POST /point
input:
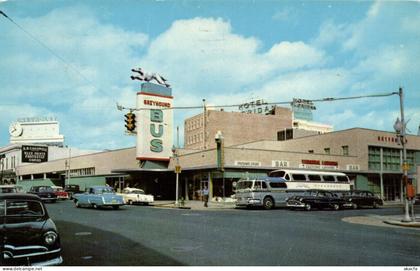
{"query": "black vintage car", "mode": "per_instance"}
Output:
(46, 193)
(72, 189)
(28, 235)
(358, 198)
(315, 199)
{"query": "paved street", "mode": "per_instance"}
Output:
(138, 236)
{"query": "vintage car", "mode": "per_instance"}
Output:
(315, 199)
(30, 237)
(98, 196)
(135, 195)
(59, 191)
(357, 198)
(72, 189)
(46, 193)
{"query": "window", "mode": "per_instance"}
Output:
(278, 185)
(327, 150)
(264, 185)
(23, 208)
(328, 178)
(345, 150)
(314, 177)
(299, 177)
(342, 179)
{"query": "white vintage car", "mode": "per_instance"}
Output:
(135, 195)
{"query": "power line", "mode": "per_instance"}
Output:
(328, 99)
(66, 63)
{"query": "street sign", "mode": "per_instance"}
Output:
(177, 169)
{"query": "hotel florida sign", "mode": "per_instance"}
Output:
(154, 122)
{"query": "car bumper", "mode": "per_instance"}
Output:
(242, 202)
(34, 258)
(295, 204)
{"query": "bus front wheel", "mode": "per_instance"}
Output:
(268, 203)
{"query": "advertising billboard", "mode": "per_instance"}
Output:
(154, 123)
(34, 154)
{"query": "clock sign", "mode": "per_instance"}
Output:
(15, 129)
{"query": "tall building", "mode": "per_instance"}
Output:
(241, 127)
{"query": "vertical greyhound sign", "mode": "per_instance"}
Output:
(154, 118)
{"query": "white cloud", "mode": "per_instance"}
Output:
(205, 54)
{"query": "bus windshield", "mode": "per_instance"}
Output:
(244, 185)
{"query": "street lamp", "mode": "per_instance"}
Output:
(177, 171)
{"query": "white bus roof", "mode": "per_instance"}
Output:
(311, 172)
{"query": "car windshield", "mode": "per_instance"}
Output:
(21, 208)
(243, 185)
(137, 191)
(310, 193)
(106, 190)
(45, 189)
(8, 190)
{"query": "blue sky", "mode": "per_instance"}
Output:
(223, 51)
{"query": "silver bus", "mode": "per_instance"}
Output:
(274, 190)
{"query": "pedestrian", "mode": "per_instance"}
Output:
(205, 196)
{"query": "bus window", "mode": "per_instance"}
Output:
(264, 185)
(328, 178)
(287, 177)
(342, 179)
(279, 173)
(278, 185)
(257, 185)
(243, 185)
(314, 177)
(298, 177)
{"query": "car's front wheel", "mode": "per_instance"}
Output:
(130, 202)
(308, 207)
(76, 203)
(375, 205)
(336, 207)
(355, 206)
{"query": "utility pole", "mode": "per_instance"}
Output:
(399, 126)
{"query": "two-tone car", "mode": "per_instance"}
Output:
(29, 236)
(60, 193)
(46, 193)
(358, 198)
(319, 199)
(97, 197)
(135, 196)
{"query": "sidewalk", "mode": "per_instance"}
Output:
(194, 205)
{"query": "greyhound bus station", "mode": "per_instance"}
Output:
(220, 148)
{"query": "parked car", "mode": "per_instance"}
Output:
(98, 196)
(315, 199)
(135, 195)
(8, 188)
(46, 193)
(357, 198)
(72, 189)
(30, 236)
(60, 193)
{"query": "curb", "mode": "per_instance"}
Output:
(403, 224)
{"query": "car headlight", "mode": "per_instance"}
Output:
(301, 199)
(50, 237)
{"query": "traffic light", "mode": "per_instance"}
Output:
(130, 121)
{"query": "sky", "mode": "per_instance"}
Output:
(72, 60)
